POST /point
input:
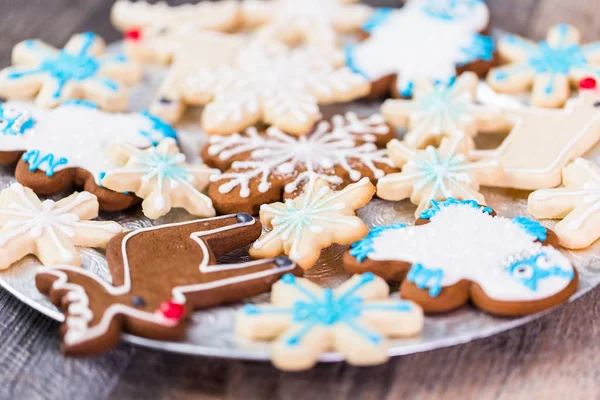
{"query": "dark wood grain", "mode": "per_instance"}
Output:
(555, 357)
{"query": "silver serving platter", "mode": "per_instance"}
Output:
(211, 331)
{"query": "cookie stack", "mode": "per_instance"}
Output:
(280, 178)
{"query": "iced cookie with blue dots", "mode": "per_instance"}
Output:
(549, 68)
(78, 71)
(460, 251)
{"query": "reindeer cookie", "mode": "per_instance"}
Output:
(52, 76)
(159, 275)
(460, 251)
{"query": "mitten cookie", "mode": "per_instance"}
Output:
(306, 320)
(159, 275)
(47, 229)
(79, 70)
(549, 68)
(320, 217)
(426, 39)
(459, 251)
(261, 168)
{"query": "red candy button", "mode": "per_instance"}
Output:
(133, 34)
(588, 83)
(172, 310)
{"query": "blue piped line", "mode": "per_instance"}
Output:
(33, 158)
(378, 18)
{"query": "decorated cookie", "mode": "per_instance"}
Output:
(272, 84)
(79, 70)
(159, 274)
(440, 111)
(67, 146)
(16, 127)
(543, 141)
(313, 22)
(306, 320)
(320, 217)
(549, 67)
(427, 39)
(460, 251)
(161, 177)
(577, 204)
(261, 168)
(47, 229)
(435, 174)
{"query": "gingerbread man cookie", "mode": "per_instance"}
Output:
(459, 251)
(549, 68)
(427, 39)
(307, 320)
(272, 84)
(312, 22)
(435, 174)
(320, 217)
(577, 204)
(47, 229)
(260, 168)
(79, 70)
(161, 177)
(159, 275)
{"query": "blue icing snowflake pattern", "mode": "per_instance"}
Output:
(328, 309)
(14, 122)
(425, 278)
(36, 160)
(532, 269)
(361, 249)
(450, 10)
(532, 227)
(159, 129)
(436, 206)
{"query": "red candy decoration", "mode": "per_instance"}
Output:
(133, 35)
(172, 310)
(588, 83)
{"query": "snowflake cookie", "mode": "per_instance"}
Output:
(77, 71)
(272, 84)
(577, 204)
(460, 251)
(435, 174)
(260, 168)
(320, 217)
(440, 111)
(161, 177)
(313, 22)
(550, 67)
(306, 320)
(49, 230)
(427, 39)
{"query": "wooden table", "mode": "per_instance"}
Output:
(557, 356)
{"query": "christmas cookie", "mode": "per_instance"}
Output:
(159, 275)
(161, 177)
(435, 174)
(306, 320)
(427, 39)
(543, 141)
(79, 70)
(312, 22)
(549, 68)
(274, 85)
(440, 111)
(577, 204)
(47, 229)
(320, 217)
(67, 146)
(459, 251)
(261, 168)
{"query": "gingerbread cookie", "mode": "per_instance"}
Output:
(435, 174)
(427, 39)
(307, 320)
(459, 251)
(261, 168)
(79, 70)
(549, 68)
(47, 229)
(577, 204)
(274, 85)
(159, 275)
(440, 111)
(161, 177)
(543, 141)
(312, 22)
(320, 217)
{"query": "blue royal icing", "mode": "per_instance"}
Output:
(361, 249)
(14, 122)
(425, 278)
(528, 271)
(450, 10)
(437, 206)
(159, 129)
(35, 160)
(532, 227)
